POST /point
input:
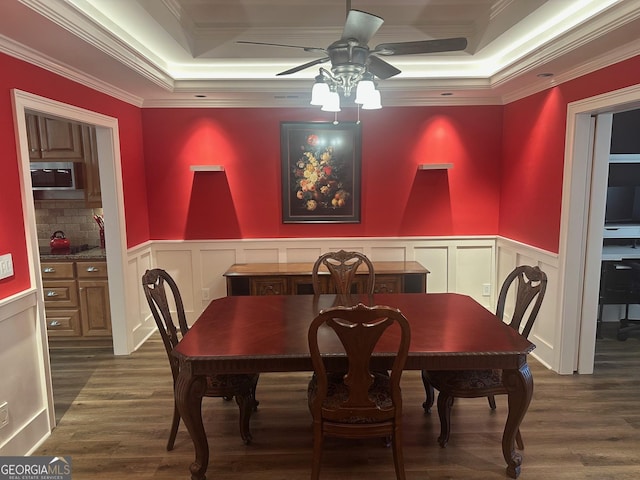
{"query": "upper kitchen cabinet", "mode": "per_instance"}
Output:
(92, 192)
(55, 139)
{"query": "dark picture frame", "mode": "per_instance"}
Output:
(320, 172)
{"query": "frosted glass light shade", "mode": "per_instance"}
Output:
(332, 102)
(364, 92)
(319, 93)
(373, 102)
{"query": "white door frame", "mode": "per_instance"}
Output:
(581, 225)
(108, 148)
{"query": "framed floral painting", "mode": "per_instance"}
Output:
(320, 172)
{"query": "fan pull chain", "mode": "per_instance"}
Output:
(335, 118)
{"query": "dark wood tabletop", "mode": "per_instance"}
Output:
(245, 334)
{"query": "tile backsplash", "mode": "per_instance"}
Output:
(73, 219)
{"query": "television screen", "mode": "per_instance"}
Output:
(623, 194)
(620, 201)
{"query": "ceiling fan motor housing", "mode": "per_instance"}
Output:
(348, 62)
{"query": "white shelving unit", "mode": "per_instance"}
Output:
(207, 168)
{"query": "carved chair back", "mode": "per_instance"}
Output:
(359, 328)
(154, 284)
(531, 284)
(343, 266)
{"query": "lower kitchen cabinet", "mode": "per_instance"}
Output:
(76, 298)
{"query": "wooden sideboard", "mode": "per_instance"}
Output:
(295, 278)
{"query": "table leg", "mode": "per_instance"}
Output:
(519, 384)
(189, 391)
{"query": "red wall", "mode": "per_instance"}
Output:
(506, 179)
(23, 76)
(396, 200)
(533, 155)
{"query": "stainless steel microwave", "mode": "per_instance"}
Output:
(53, 176)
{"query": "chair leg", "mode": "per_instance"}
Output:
(174, 428)
(245, 403)
(318, 440)
(398, 458)
(519, 441)
(445, 402)
(428, 389)
(492, 402)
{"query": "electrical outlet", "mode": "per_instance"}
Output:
(4, 414)
(486, 289)
(206, 295)
(6, 266)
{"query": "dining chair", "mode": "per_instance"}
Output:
(242, 387)
(360, 403)
(530, 284)
(343, 266)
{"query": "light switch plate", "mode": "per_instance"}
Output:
(6, 266)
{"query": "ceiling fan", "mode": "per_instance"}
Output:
(351, 58)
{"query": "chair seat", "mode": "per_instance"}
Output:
(466, 380)
(338, 393)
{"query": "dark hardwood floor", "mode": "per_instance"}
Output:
(116, 411)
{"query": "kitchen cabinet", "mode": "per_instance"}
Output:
(92, 192)
(53, 139)
(76, 298)
(93, 288)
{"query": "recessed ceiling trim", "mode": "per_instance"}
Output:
(67, 17)
(29, 55)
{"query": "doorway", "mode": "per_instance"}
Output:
(108, 150)
(585, 175)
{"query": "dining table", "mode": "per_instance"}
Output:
(257, 334)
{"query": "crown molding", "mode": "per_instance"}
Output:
(33, 57)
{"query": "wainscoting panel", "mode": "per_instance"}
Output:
(435, 259)
(139, 322)
(457, 264)
(212, 265)
(302, 254)
(474, 268)
(546, 331)
(24, 381)
(390, 253)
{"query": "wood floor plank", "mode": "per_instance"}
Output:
(116, 412)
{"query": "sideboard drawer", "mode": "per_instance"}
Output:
(269, 286)
(388, 284)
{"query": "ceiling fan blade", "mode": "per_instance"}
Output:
(381, 68)
(424, 46)
(361, 26)
(303, 66)
(306, 49)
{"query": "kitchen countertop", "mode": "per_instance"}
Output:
(95, 253)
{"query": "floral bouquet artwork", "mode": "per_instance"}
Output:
(321, 169)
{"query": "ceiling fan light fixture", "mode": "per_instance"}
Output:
(364, 91)
(332, 103)
(373, 102)
(319, 92)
